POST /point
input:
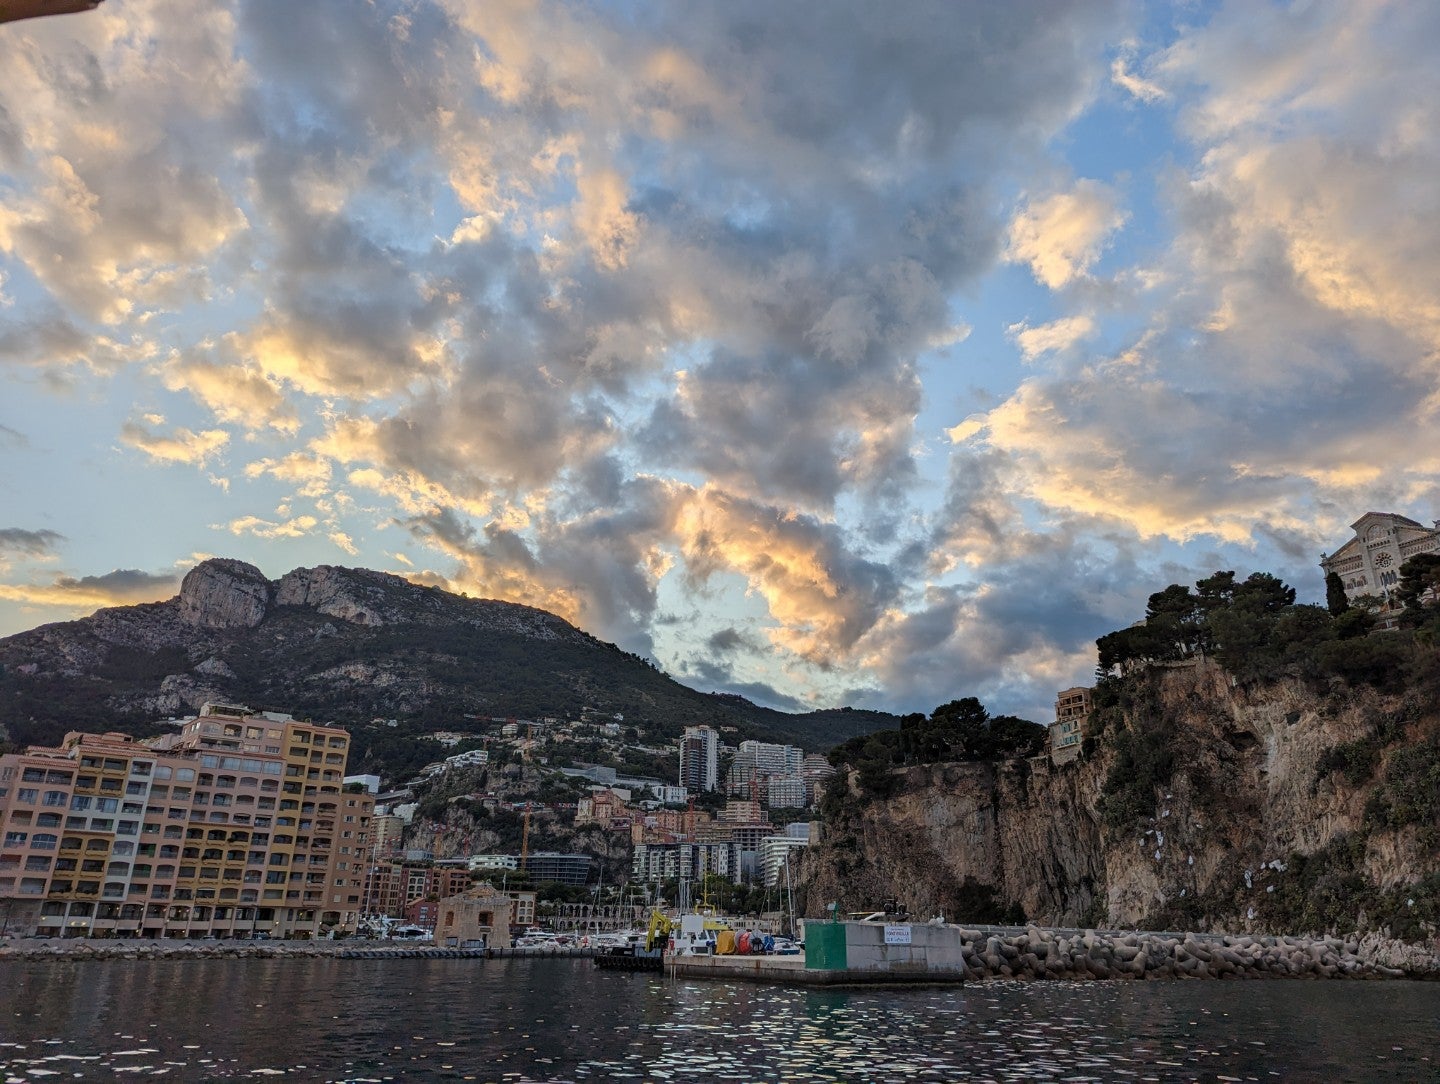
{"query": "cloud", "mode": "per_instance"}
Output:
(123, 587)
(182, 446)
(236, 393)
(629, 311)
(16, 541)
(297, 527)
(1135, 85)
(1049, 338)
(1062, 235)
(124, 202)
(729, 640)
(310, 474)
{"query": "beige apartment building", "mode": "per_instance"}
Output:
(237, 825)
(1071, 708)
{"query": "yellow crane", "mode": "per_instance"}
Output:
(525, 835)
(659, 929)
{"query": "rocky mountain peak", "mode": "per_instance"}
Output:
(339, 592)
(222, 593)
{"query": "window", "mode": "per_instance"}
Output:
(44, 841)
(56, 798)
(28, 795)
(15, 839)
(80, 801)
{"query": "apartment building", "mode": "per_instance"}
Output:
(699, 759)
(235, 826)
(391, 887)
(658, 862)
(1072, 706)
(756, 762)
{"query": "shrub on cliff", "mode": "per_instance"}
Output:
(1145, 758)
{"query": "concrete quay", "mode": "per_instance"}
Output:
(1037, 953)
(81, 949)
(791, 971)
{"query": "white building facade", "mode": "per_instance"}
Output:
(700, 759)
(1369, 563)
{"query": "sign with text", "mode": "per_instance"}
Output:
(897, 935)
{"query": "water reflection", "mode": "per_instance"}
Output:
(557, 1020)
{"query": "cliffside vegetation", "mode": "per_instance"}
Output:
(960, 730)
(1250, 763)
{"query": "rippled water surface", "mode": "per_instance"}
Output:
(552, 1020)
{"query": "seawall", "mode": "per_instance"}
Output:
(1036, 953)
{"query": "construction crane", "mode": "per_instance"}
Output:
(525, 835)
(659, 929)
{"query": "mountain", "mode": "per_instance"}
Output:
(349, 645)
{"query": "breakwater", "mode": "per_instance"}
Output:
(1037, 953)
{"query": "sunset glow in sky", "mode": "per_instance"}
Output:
(830, 353)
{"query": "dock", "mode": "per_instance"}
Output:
(791, 971)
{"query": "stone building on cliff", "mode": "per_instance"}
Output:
(1369, 563)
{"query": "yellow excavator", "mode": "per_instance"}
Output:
(658, 932)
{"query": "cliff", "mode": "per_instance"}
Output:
(1200, 804)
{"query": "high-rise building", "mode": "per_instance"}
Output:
(785, 792)
(816, 770)
(757, 762)
(654, 862)
(775, 854)
(237, 825)
(700, 758)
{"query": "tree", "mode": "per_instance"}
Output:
(1125, 649)
(1264, 593)
(1177, 621)
(1336, 601)
(1419, 586)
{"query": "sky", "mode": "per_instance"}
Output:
(842, 353)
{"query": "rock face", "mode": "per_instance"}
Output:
(225, 594)
(1255, 830)
(336, 592)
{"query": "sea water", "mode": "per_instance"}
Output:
(564, 1020)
